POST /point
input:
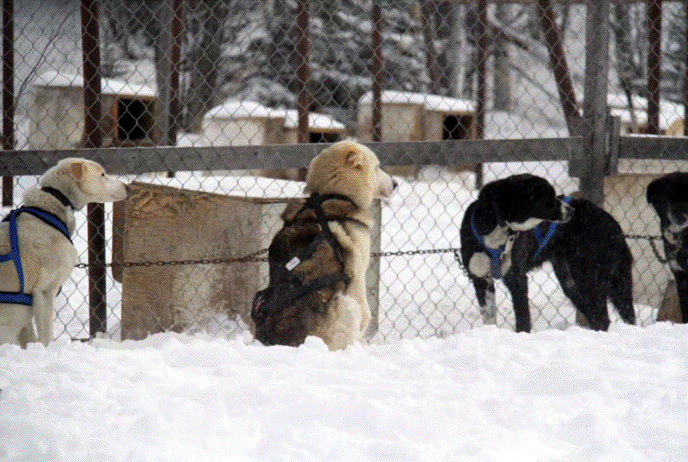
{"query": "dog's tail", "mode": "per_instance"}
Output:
(621, 291)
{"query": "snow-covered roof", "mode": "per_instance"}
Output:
(428, 101)
(235, 109)
(108, 86)
(668, 111)
(315, 121)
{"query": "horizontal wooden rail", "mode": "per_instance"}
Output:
(176, 159)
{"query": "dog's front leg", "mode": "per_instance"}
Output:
(26, 335)
(43, 315)
(682, 289)
(485, 293)
(517, 284)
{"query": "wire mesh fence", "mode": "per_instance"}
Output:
(233, 73)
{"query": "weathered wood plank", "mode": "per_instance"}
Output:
(653, 147)
(168, 224)
(175, 159)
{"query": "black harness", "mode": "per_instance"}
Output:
(285, 286)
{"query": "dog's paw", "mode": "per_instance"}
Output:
(480, 265)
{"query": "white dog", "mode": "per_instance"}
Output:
(318, 260)
(36, 243)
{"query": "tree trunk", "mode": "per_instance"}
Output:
(624, 57)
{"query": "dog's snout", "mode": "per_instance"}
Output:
(394, 183)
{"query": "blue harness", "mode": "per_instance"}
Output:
(22, 297)
(496, 254)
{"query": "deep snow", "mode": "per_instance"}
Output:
(486, 394)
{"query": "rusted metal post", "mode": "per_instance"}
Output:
(93, 138)
(654, 63)
(685, 81)
(303, 72)
(376, 123)
(481, 92)
(169, 56)
(560, 68)
(175, 58)
(7, 93)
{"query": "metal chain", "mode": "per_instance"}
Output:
(253, 257)
(401, 253)
(653, 245)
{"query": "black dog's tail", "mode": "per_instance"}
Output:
(621, 290)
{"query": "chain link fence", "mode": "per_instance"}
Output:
(212, 76)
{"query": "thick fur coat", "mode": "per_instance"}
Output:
(588, 251)
(350, 175)
(668, 196)
(47, 256)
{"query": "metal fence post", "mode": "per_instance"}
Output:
(7, 93)
(93, 138)
(377, 66)
(654, 64)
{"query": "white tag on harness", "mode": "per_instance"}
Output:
(293, 263)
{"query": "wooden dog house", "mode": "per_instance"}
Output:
(56, 113)
(242, 123)
(418, 117)
(321, 128)
(247, 123)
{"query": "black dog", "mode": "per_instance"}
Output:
(668, 195)
(518, 223)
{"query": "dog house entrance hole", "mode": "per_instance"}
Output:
(319, 137)
(456, 127)
(134, 120)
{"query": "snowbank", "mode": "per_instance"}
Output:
(483, 395)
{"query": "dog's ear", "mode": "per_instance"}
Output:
(77, 170)
(355, 159)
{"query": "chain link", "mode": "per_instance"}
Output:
(253, 256)
(653, 245)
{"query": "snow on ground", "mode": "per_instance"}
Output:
(486, 394)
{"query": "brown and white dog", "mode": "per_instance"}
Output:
(318, 260)
(46, 256)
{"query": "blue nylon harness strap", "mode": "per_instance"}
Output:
(22, 297)
(496, 254)
(544, 240)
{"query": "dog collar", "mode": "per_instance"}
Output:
(544, 240)
(59, 196)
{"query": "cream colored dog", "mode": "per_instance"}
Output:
(343, 180)
(44, 226)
